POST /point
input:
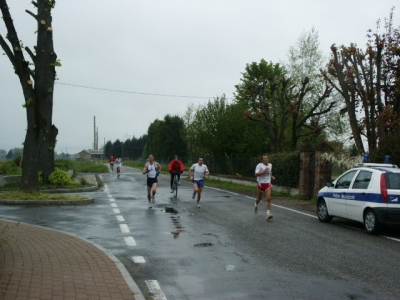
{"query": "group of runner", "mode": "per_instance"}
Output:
(197, 171)
(116, 161)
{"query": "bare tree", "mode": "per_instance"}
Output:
(369, 82)
(37, 85)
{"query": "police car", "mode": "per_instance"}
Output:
(368, 193)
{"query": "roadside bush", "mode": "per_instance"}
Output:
(66, 165)
(286, 168)
(9, 168)
(18, 161)
(59, 177)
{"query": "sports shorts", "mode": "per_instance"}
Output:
(262, 187)
(200, 183)
(151, 181)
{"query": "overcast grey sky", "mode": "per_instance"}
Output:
(171, 47)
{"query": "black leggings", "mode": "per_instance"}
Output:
(172, 177)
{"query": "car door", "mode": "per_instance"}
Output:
(338, 200)
(358, 195)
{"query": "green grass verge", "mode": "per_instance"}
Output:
(38, 196)
(90, 167)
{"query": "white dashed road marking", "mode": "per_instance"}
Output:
(130, 241)
(120, 218)
(124, 228)
(114, 205)
(155, 289)
(138, 259)
(116, 211)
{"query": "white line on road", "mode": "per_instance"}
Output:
(390, 238)
(116, 211)
(138, 259)
(112, 200)
(109, 196)
(120, 218)
(155, 289)
(114, 205)
(130, 241)
(293, 210)
(236, 194)
(125, 229)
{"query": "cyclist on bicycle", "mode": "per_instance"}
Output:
(175, 167)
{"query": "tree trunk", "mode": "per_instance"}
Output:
(37, 86)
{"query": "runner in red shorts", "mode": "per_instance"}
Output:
(264, 185)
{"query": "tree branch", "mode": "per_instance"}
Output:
(33, 56)
(7, 50)
(32, 14)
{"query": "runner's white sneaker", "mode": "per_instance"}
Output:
(269, 216)
(150, 206)
(171, 191)
(198, 205)
(255, 209)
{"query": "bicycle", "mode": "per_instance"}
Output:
(175, 184)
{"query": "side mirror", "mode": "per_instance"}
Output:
(329, 184)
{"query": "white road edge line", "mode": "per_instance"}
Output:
(236, 194)
(290, 209)
(155, 289)
(390, 238)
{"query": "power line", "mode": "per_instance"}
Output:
(130, 92)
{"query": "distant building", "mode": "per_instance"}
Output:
(83, 155)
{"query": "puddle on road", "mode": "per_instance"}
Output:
(203, 245)
(179, 229)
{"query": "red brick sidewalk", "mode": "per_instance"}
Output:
(40, 263)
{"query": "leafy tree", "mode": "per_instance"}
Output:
(165, 138)
(306, 59)
(172, 130)
(108, 149)
(220, 129)
(117, 148)
(133, 148)
(154, 140)
(37, 86)
(275, 100)
(3, 154)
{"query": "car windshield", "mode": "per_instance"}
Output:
(393, 181)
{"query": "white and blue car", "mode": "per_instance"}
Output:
(369, 193)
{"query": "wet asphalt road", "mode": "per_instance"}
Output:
(223, 250)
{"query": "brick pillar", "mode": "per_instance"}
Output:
(323, 172)
(304, 182)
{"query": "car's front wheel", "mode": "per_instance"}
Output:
(322, 211)
(371, 222)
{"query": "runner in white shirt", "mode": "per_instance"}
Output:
(119, 164)
(152, 169)
(264, 176)
(197, 172)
